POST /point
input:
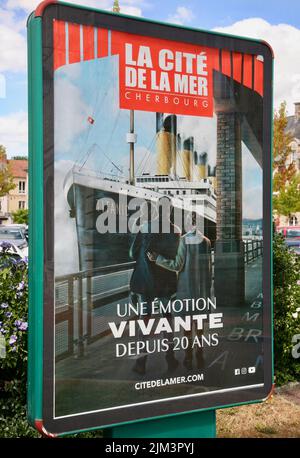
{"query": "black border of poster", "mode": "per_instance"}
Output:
(163, 31)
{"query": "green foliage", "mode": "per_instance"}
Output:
(13, 330)
(13, 420)
(13, 416)
(13, 335)
(284, 171)
(6, 178)
(20, 216)
(288, 199)
(286, 318)
(13, 314)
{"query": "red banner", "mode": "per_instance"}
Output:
(164, 76)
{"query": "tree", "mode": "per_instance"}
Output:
(284, 171)
(287, 201)
(286, 317)
(6, 177)
(20, 216)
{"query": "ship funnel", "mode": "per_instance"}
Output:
(188, 147)
(178, 142)
(212, 175)
(166, 142)
(201, 163)
(170, 126)
(159, 122)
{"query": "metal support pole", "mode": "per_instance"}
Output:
(190, 425)
(89, 296)
(131, 167)
(80, 318)
(71, 313)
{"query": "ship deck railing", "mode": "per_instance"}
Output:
(84, 299)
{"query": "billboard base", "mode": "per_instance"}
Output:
(191, 425)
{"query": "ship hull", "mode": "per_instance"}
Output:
(105, 249)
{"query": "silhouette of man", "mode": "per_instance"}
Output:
(150, 281)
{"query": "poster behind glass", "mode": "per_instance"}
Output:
(158, 214)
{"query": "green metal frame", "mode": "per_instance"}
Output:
(36, 223)
(201, 423)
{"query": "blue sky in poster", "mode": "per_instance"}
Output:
(91, 89)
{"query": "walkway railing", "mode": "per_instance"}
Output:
(78, 295)
(252, 249)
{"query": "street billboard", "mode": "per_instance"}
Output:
(150, 169)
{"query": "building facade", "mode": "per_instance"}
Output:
(17, 198)
(293, 127)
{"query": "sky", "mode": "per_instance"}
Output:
(272, 20)
(91, 88)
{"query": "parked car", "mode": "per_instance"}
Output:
(14, 234)
(293, 244)
(289, 232)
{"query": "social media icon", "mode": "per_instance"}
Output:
(244, 371)
(237, 371)
(251, 370)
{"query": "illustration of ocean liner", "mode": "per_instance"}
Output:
(193, 189)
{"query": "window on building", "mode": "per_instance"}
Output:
(293, 221)
(21, 204)
(22, 186)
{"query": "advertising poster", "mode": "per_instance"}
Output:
(158, 232)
